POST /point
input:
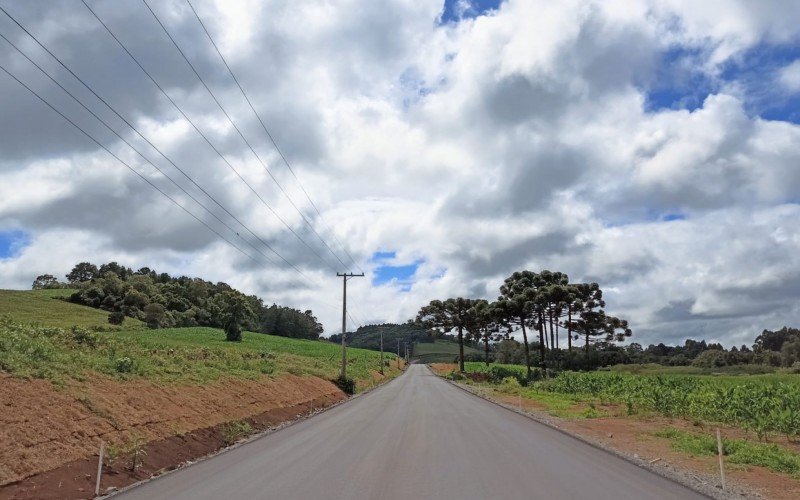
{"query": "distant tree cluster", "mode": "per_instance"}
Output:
(771, 348)
(369, 336)
(164, 301)
(48, 282)
(545, 303)
(780, 348)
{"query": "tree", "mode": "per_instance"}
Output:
(155, 315)
(82, 273)
(773, 341)
(446, 316)
(45, 281)
(592, 319)
(517, 303)
(236, 312)
(116, 318)
(485, 322)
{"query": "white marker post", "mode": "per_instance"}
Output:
(721, 463)
(99, 468)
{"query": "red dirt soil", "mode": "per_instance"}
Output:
(59, 430)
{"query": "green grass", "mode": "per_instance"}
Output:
(43, 307)
(737, 451)
(179, 355)
(439, 351)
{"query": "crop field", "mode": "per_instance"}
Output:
(764, 403)
(42, 307)
(184, 355)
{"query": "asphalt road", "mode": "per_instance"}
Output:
(418, 437)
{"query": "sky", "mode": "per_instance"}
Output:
(650, 146)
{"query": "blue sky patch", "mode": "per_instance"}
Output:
(12, 242)
(388, 273)
(680, 82)
(456, 10)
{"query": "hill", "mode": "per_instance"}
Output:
(441, 351)
(369, 336)
(46, 308)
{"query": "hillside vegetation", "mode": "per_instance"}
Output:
(441, 351)
(43, 307)
(179, 355)
(164, 301)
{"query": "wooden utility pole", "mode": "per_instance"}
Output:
(345, 277)
(381, 352)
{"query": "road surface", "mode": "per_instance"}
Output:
(418, 437)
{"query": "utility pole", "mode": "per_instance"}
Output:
(381, 352)
(345, 277)
(398, 354)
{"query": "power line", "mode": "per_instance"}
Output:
(207, 140)
(43, 100)
(90, 89)
(269, 135)
(247, 143)
(267, 245)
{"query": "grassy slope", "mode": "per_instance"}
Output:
(36, 341)
(264, 353)
(43, 307)
(440, 351)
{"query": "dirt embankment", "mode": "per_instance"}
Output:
(49, 438)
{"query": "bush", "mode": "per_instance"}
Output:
(346, 384)
(233, 332)
(116, 318)
(234, 431)
(155, 315)
(498, 373)
(124, 365)
(84, 337)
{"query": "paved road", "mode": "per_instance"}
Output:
(418, 437)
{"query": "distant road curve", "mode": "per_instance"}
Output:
(416, 438)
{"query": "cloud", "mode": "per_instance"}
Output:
(789, 76)
(521, 134)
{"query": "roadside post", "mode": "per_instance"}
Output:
(99, 468)
(721, 462)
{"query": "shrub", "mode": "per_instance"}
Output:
(346, 384)
(234, 431)
(233, 332)
(84, 337)
(116, 318)
(498, 373)
(155, 315)
(124, 365)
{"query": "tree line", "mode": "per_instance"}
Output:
(163, 301)
(369, 336)
(544, 303)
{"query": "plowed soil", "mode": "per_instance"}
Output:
(50, 437)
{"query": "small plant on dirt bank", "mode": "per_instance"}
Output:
(234, 431)
(136, 452)
(346, 384)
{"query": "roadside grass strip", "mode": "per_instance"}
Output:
(737, 451)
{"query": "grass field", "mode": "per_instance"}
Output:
(43, 307)
(439, 351)
(37, 340)
(193, 355)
